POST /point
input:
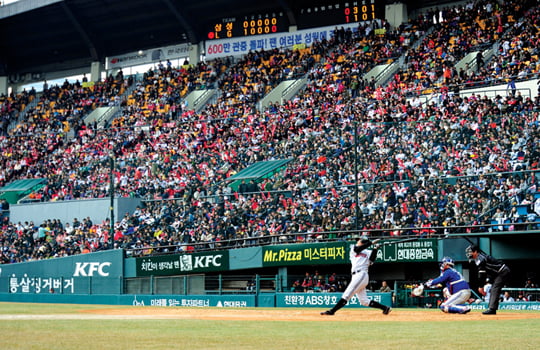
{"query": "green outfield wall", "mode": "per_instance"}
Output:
(315, 300)
(325, 300)
(179, 264)
(111, 277)
(96, 273)
(141, 300)
(528, 306)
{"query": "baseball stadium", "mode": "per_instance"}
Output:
(281, 175)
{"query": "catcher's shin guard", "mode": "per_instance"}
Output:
(455, 309)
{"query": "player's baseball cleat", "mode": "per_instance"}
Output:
(489, 312)
(327, 313)
(467, 310)
(387, 310)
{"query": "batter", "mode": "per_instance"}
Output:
(361, 258)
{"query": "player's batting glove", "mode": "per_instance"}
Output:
(374, 243)
(428, 284)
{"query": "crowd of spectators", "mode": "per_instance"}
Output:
(515, 58)
(318, 283)
(162, 90)
(424, 169)
(62, 108)
(458, 31)
(11, 106)
(258, 72)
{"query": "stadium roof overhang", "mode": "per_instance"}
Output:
(54, 35)
(260, 170)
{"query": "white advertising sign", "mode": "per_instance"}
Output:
(241, 46)
(148, 56)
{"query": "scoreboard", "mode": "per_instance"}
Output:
(247, 25)
(340, 12)
(322, 13)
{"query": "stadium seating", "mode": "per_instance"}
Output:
(423, 169)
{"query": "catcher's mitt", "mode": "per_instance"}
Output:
(418, 291)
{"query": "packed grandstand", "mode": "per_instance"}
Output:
(413, 154)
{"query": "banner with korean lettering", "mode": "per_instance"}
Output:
(241, 46)
(177, 264)
(422, 250)
(99, 272)
(306, 254)
(326, 300)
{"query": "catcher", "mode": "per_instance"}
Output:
(361, 258)
(456, 291)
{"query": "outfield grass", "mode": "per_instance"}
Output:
(203, 334)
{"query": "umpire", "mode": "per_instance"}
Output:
(495, 269)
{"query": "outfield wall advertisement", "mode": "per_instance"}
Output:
(178, 264)
(141, 300)
(326, 300)
(305, 254)
(98, 273)
(516, 306)
(421, 250)
(424, 250)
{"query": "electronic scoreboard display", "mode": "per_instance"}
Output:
(273, 21)
(320, 13)
(329, 13)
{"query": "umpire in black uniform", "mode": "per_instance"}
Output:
(495, 269)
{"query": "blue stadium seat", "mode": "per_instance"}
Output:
(522, 209)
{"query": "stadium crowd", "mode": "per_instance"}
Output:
(452, 164)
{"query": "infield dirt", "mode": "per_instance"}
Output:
(280, 314)
(404, 315)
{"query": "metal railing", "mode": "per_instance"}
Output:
(438, 232)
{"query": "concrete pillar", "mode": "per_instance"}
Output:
(3, 85)
(95, 71)
(396, 14)
(194, 53)
(283, 277)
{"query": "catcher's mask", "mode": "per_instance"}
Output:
(446, 262)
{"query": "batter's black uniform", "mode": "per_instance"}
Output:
(497, 271)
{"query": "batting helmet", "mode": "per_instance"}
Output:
(363, 239)
(447, 262)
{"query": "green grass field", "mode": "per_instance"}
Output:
(17, 331)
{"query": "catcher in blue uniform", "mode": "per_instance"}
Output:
(456, 291)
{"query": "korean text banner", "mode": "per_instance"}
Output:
(306, 254)
(177, 264)
(422, 250)
(242, 46)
